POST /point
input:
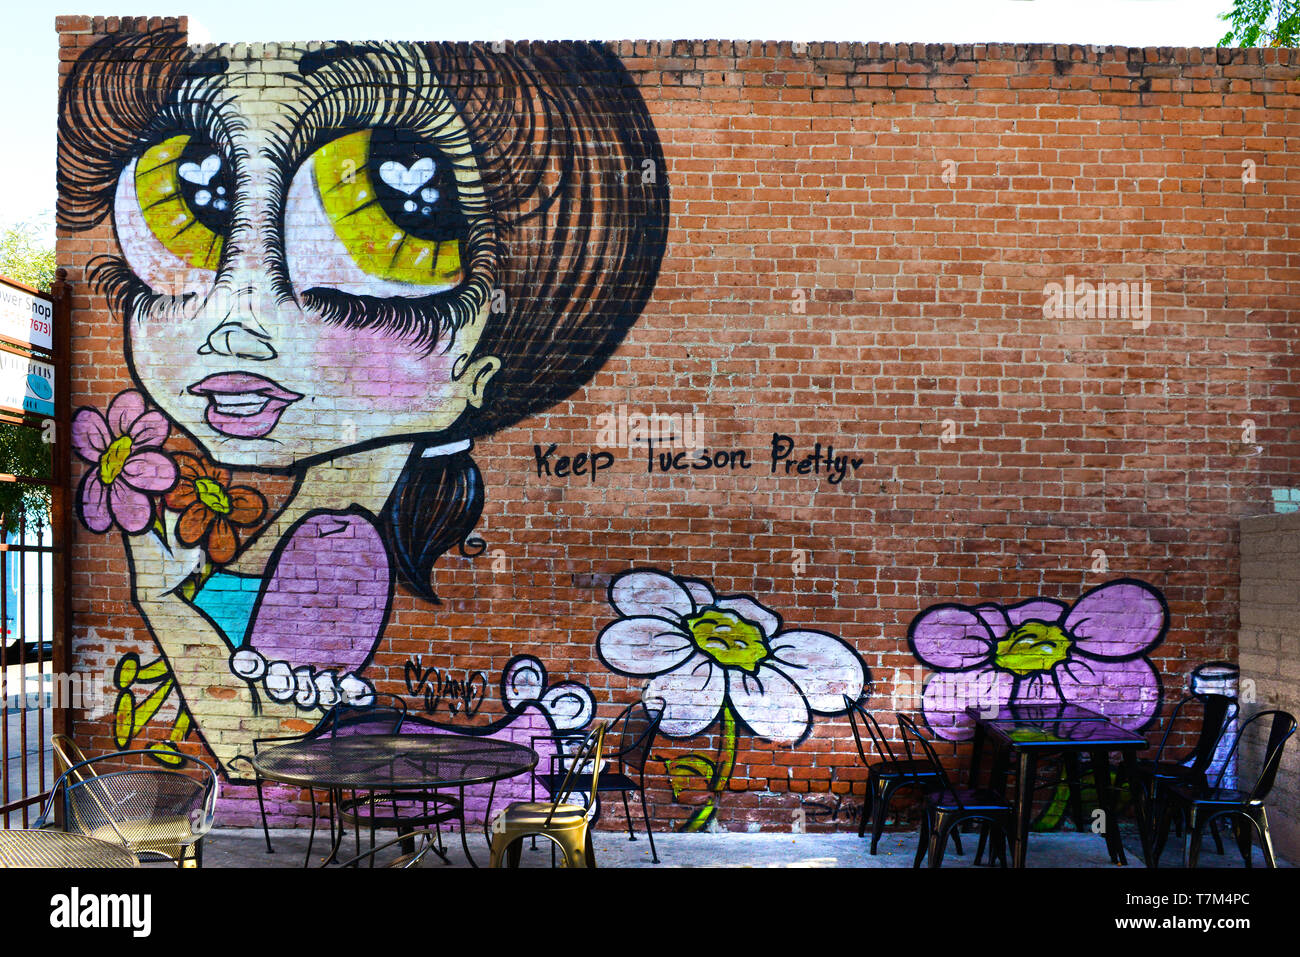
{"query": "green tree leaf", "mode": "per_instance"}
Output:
(1262, 23)
(25, 256)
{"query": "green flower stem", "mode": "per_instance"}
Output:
(722, 768)
(189, 588)
(700, 817)
(726, 752)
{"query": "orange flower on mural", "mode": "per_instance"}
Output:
(211, 508)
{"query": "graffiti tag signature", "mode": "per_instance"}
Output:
(458, 695)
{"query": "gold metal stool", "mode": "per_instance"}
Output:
(562, 822)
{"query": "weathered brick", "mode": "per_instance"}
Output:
(861, 240)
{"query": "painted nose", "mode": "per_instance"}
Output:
(239, 339)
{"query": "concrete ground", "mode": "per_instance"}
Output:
(233, 847)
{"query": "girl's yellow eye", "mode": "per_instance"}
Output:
(184, 187)
(391, 201)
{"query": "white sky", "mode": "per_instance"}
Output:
(29, 65)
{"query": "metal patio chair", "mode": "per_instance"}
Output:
(634, 731)
(886, 776)
(946, 807)
(565, 824)
(1203, 805)
(1156, 775)
(158, 813)
(66, 752)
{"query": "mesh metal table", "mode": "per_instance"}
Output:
(23, 847)
(390, 764)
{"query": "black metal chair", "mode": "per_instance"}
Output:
(886, 776)
(634, 732)
(158, 813)
(1218, 711)
(1203, 805)
(1155, 775)
(384, 714)
(946, 808)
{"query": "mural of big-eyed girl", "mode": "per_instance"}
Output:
(346, 276)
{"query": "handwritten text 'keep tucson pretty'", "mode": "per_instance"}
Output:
(783, 457)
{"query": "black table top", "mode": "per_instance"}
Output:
(1016, 713)
(1055, 727)
(383, 762)
(36, 847)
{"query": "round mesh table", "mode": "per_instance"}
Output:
(22, 847)
(390, 764)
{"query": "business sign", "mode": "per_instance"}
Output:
(26, 385)
(26, 318)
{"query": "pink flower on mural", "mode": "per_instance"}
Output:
(1043, 651)
(127, 467)
(711, 656)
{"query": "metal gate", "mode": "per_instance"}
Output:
(36, 684)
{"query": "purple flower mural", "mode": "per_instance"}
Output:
(123, 448)
(1092, 653)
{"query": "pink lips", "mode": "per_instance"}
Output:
(243, 405)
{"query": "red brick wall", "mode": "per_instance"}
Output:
(859, 249)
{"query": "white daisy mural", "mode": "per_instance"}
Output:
(723, 660)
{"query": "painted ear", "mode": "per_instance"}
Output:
(479, 373)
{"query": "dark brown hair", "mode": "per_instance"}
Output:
(576, 194)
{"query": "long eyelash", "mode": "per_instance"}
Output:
(425, 320)
(200, 111)
(117, 283)
(354, 93)
(126, 293)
